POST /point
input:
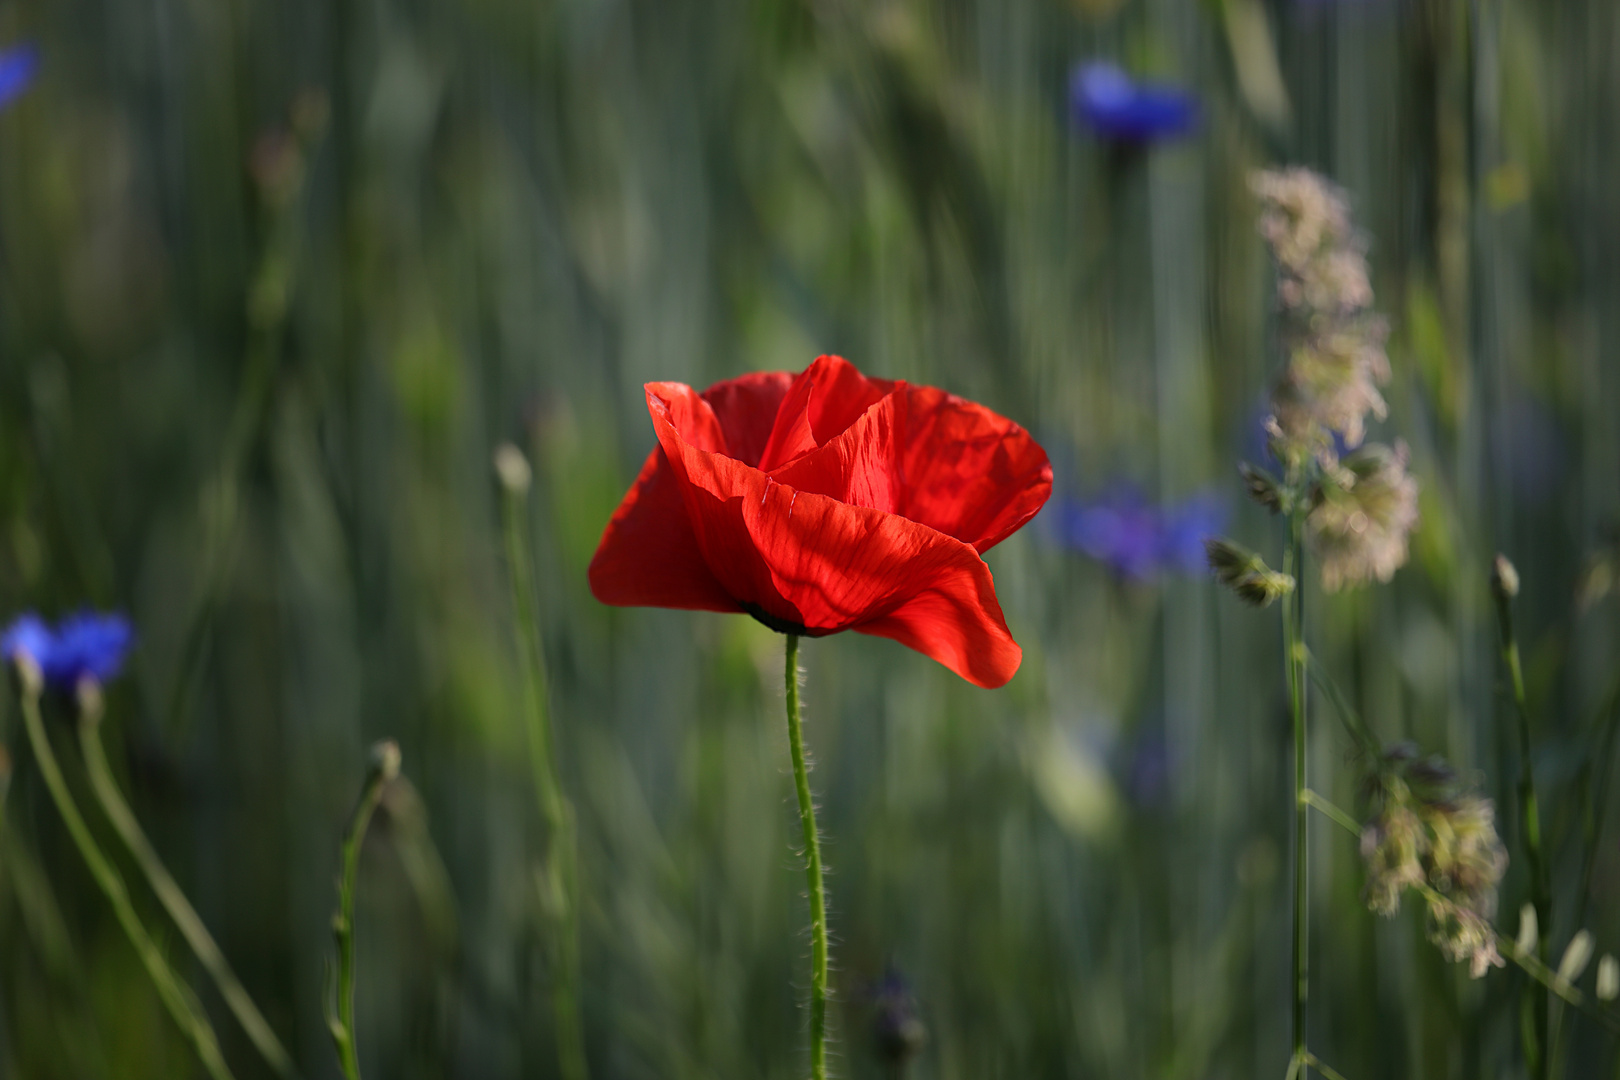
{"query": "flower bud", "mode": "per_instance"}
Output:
(28, 673)
(1608, 979)
(1576, 956)
(1529, 930)
(513, 469)
(897, 1031)
(385, 759)
(1504, 578)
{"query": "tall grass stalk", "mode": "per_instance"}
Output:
(384, 767)
(1294, 657)
(814, 883)
(177, 999)
(559, 878)
(169, 893)
(1504, 585)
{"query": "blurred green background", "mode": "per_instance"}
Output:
(276, 278)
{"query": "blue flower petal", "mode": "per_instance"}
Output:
(18, 66)
(28, 634)
(1106, 99)
(87, 645)
(1137, 540)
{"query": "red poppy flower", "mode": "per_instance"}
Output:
(829, 501)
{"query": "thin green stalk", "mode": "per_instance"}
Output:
(1600, 798)
(1314, 1062)
(176, 998)
(1505, 585)
(1363, 735)
(812, 869)
(559, 878)
(340, 1011)
(1294, 661)
(169, 893)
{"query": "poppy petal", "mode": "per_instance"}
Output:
(862, 466)
(746, 407)
(956, 620)
(807, 559)
(649, 555)
(970, 473)
(825, 399)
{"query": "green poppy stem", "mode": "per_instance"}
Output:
(176, 998)
(340, 1012)
(812, 870)
(169, 893)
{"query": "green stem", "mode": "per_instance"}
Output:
(812, 870)
(559, 877)
(1323, 1067)
(176, 999)
(340, 1015)
(170, 895)
(1294, 661)
(1530, 822)
(1365, 739)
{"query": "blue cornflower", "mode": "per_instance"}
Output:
(1138, 540)
(18, 65)
(1106, 99)
(88, 645)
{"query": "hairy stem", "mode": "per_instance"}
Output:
(558, 879)
(1538, 1058)
(340, 1016)
(812, 870)
(181, 1006)
(171, 897)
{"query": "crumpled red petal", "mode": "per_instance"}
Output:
(969, 472)
(649, 555)
(746, 408)
(825, 399)
(807, 559)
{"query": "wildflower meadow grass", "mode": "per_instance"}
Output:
(908, 539)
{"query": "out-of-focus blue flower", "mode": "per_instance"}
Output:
(88, 645)
(1138, 540)
(18, 65)
(1148, 765)
(897, 1029)
(1106, 99)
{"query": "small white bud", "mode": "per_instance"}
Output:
(512, 468)
(1576, 956)
(385, 759)
(1529, 931)
(1608, 978)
